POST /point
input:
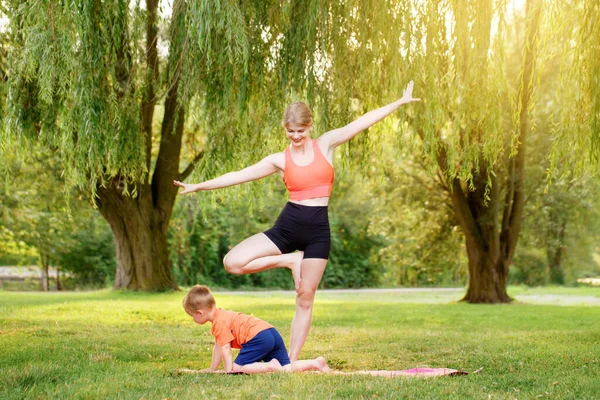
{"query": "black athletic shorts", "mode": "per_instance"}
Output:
(303, 228)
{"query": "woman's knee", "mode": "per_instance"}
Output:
(232, 264)
(305, 298)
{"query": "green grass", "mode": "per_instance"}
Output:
(108, 344)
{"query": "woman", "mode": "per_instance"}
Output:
(307, 171)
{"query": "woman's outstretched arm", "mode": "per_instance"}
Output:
(265, 167)
(341, 135)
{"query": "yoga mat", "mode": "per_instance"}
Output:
(413, 372)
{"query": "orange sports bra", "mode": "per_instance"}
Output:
(308, 181)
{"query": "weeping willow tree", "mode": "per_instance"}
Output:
(133, 95)
(473, 124)
(86, 78)
(468, 138)
(477, 134)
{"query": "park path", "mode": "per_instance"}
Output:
(439, 295)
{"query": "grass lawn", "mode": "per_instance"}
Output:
(128, 345)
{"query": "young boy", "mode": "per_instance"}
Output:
(258, 340)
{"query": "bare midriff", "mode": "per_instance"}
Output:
(317, 202)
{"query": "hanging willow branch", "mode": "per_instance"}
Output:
(91, 77)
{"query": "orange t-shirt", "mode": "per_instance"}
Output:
(236, 328)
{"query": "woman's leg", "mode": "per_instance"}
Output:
(311, 271)
(259, 253)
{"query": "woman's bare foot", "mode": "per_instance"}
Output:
(296, 269)
(322, 365)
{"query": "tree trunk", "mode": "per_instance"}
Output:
(58, 284)
(488, 268)
(183, 267)
(487, 277)
(45, 281)
(554, 252)
(140, 233)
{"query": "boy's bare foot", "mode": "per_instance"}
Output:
(322, 365)
(274, 366)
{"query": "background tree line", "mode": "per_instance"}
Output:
(390, 228)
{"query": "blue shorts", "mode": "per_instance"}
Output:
(265, 346)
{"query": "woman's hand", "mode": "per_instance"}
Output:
(407, 95)
(187, 187)
(335, 137)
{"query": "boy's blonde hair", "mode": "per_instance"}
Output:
(199, 297)
(297, 113)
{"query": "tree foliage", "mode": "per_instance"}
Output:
(560, 235)
(413, 215)
(38, 213)
(90, 260)
(576, 41)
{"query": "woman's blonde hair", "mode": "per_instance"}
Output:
(297, 113)
(199, 297)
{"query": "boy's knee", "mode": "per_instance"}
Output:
(237, 368)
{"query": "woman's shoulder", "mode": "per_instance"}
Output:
(324, 144)
(324, 141)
